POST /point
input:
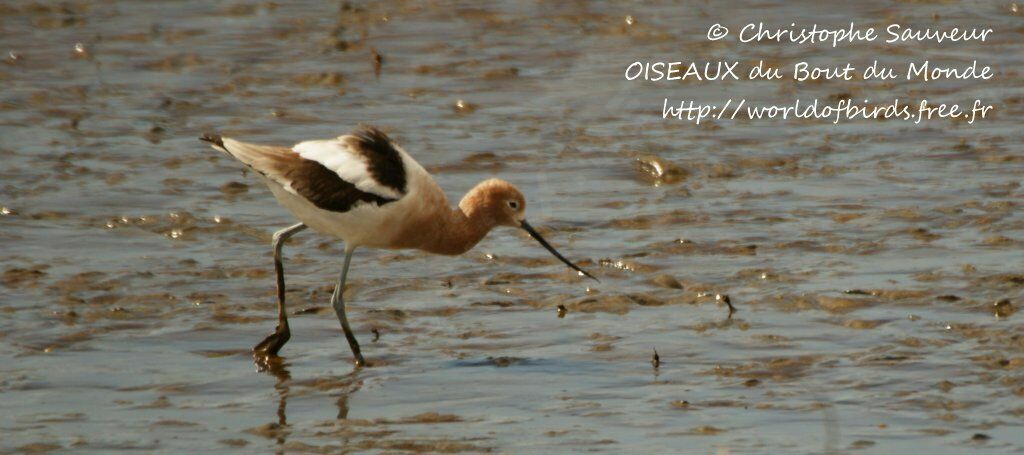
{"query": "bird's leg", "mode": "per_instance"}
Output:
(273, 343)
(338, 302)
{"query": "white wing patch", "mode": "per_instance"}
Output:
(336, 155)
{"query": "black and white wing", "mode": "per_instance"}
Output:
(334, 174)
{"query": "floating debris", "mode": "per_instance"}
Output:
(1002, 308)
(655, 359)
(463, 107)
(657, 171)
(680, 404)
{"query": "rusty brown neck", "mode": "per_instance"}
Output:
(459, 230)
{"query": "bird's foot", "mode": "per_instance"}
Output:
(272, 344)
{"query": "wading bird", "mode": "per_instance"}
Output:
(364, 189)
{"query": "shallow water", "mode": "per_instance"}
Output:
(865, 259)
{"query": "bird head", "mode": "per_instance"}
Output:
(495, 202)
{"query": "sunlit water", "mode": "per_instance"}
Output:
(865, 259)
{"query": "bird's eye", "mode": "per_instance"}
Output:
(514, 205)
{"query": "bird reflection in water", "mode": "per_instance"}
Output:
(277, 366)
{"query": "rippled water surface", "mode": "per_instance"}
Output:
(876, 266)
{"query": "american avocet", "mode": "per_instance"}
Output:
(366, 190)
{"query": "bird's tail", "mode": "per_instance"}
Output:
(265, 159)
(215, 141)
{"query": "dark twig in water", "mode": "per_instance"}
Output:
(376, 335)
(655, 360)
(378, 60)
(724, 298)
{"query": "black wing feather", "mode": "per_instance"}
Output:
(383, 160)
(325, 189)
